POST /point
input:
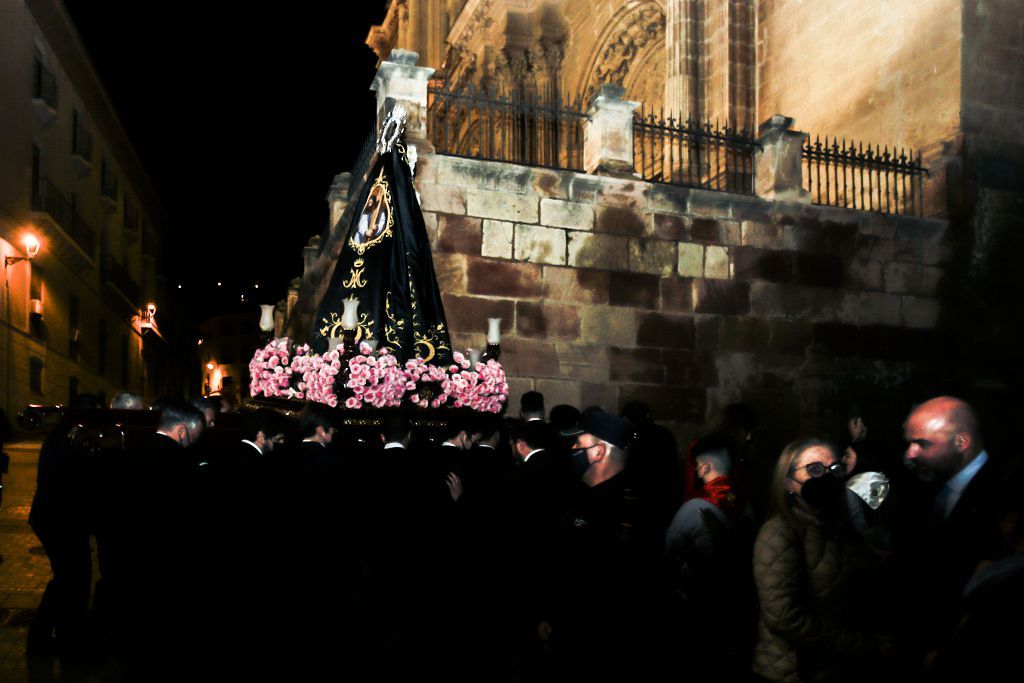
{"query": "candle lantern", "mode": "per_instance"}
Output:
(493, 339)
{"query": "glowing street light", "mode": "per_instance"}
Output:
(32, 245)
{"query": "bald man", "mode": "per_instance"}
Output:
(955, 525)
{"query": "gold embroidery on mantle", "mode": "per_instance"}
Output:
(355, 280)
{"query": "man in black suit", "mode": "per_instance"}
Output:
(542, 481)
(488, 471)
(956, 524)
(60, 517)
(319, 495)
(171, 548)
(241, 500)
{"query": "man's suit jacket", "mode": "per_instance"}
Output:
(937, 558)
(969, 534)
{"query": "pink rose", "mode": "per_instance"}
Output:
(352, 403)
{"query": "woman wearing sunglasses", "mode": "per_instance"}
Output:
(818, 610)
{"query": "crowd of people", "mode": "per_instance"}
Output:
(559, 546)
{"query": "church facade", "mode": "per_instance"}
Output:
(629, 262)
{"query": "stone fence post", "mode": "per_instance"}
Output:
(400, 81)
(310, 253)
(608, 133)
(778, 165)
(337, 196)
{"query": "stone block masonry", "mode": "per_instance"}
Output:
(613, 289)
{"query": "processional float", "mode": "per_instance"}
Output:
(380, 339)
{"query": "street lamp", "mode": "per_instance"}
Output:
(147, 319)
(31, 244)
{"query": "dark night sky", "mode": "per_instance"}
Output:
(242, 115)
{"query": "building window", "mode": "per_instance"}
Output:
(81, 139)
(35, 375)
(108, 182)
(37, 187)
(73, 327)
(44, 83)
(101, 349)
(36, 327)
(72, 388)
(124, 361)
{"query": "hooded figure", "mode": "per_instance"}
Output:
(386, 264)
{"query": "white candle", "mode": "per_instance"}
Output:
(474, 356)
(372, 343)
(266, 317)
(333, 343)
(348, 316)
(494, 330)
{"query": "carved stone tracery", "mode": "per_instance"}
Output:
(640, 30)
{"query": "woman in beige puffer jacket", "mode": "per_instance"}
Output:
(813, 578)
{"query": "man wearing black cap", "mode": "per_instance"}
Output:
(600, 609)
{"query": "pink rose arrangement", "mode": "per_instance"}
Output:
(316, 375)
(375, 380)
(269, 371)
(421, 378)
(482, 387)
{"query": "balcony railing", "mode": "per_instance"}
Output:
(81, 143)
(47, 199)
(115, 274)
(149, 242)
(872, 179)
(693, 154)
(131, 219)
(44, 85)
(108, 184)
(471, 123)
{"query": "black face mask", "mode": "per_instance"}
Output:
(579, 461)
(824, 493)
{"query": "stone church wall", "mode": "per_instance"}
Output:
(611, 290)
(873, 71)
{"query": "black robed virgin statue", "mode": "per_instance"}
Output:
(386, 264)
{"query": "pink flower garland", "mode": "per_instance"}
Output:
(376, 381)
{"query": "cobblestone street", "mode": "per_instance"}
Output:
(25, 569)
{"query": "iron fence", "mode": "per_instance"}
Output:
(468, 122)
(870, 179)
(693, 154)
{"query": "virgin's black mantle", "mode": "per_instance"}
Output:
(386, 264)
